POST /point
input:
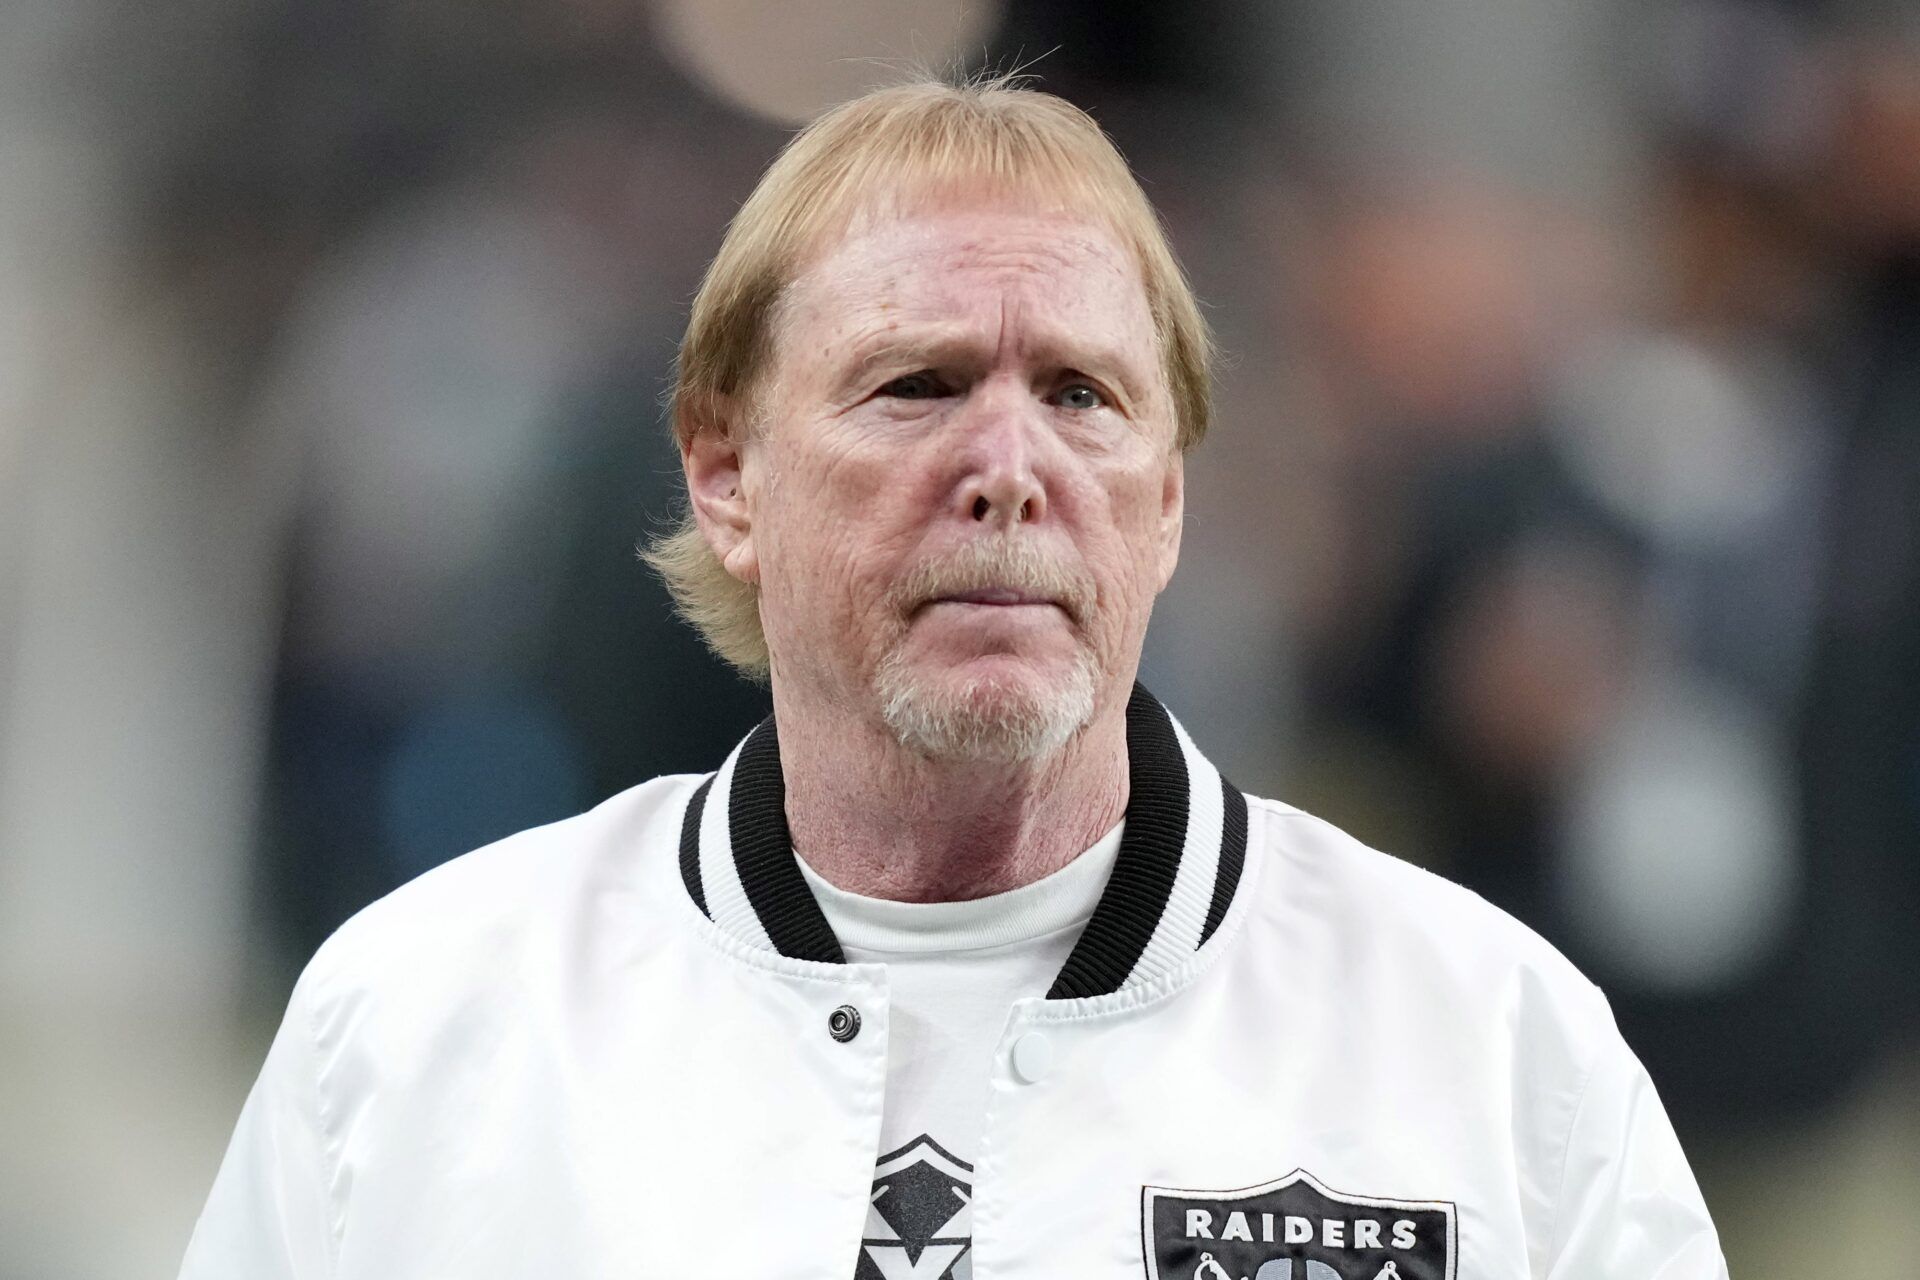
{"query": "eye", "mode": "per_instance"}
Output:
(913, 386)
(1079, 395)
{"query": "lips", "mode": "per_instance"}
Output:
(994, 596)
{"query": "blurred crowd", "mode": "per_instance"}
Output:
(1559, 530)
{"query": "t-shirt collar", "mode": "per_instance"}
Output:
(1056, 902)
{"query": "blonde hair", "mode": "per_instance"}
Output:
(920, 139)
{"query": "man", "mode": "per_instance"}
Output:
(967, 962)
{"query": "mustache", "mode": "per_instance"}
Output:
(987, 563)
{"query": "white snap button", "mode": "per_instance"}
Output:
(1032, 1057)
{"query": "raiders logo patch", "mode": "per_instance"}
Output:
(1294, 1229)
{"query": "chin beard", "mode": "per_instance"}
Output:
(984, 720)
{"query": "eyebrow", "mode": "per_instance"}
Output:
(934, 350)
(895, 349)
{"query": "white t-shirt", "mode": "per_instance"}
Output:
(954, 970)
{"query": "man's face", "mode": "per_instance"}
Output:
(966, 495)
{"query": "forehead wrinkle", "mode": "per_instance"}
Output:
(1054, 235)
(905, 299)
(1079, 242)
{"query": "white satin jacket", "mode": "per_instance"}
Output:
(608, 1049)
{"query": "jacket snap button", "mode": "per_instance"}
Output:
(1032, 1057)
(843, 1024)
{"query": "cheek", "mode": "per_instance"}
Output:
(1126, 558)
(831, 520)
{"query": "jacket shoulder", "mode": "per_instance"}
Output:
(472, 918)
(1428, 929)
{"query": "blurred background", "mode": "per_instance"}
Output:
(1560, 529)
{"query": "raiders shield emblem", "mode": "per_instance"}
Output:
(1294, 1229)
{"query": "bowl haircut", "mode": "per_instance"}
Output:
(893, 151)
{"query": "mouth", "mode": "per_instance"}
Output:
(1021, 583)
(996, 597)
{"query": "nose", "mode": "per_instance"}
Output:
(1001, 486)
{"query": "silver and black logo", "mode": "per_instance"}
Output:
(1294, 1229)
(920, 1222)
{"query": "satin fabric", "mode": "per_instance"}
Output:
(542, 1059)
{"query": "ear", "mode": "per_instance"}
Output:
(713, 448)
(1173, 513)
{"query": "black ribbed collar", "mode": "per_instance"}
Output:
(1180, 859)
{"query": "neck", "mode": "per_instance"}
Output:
(874, 818)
